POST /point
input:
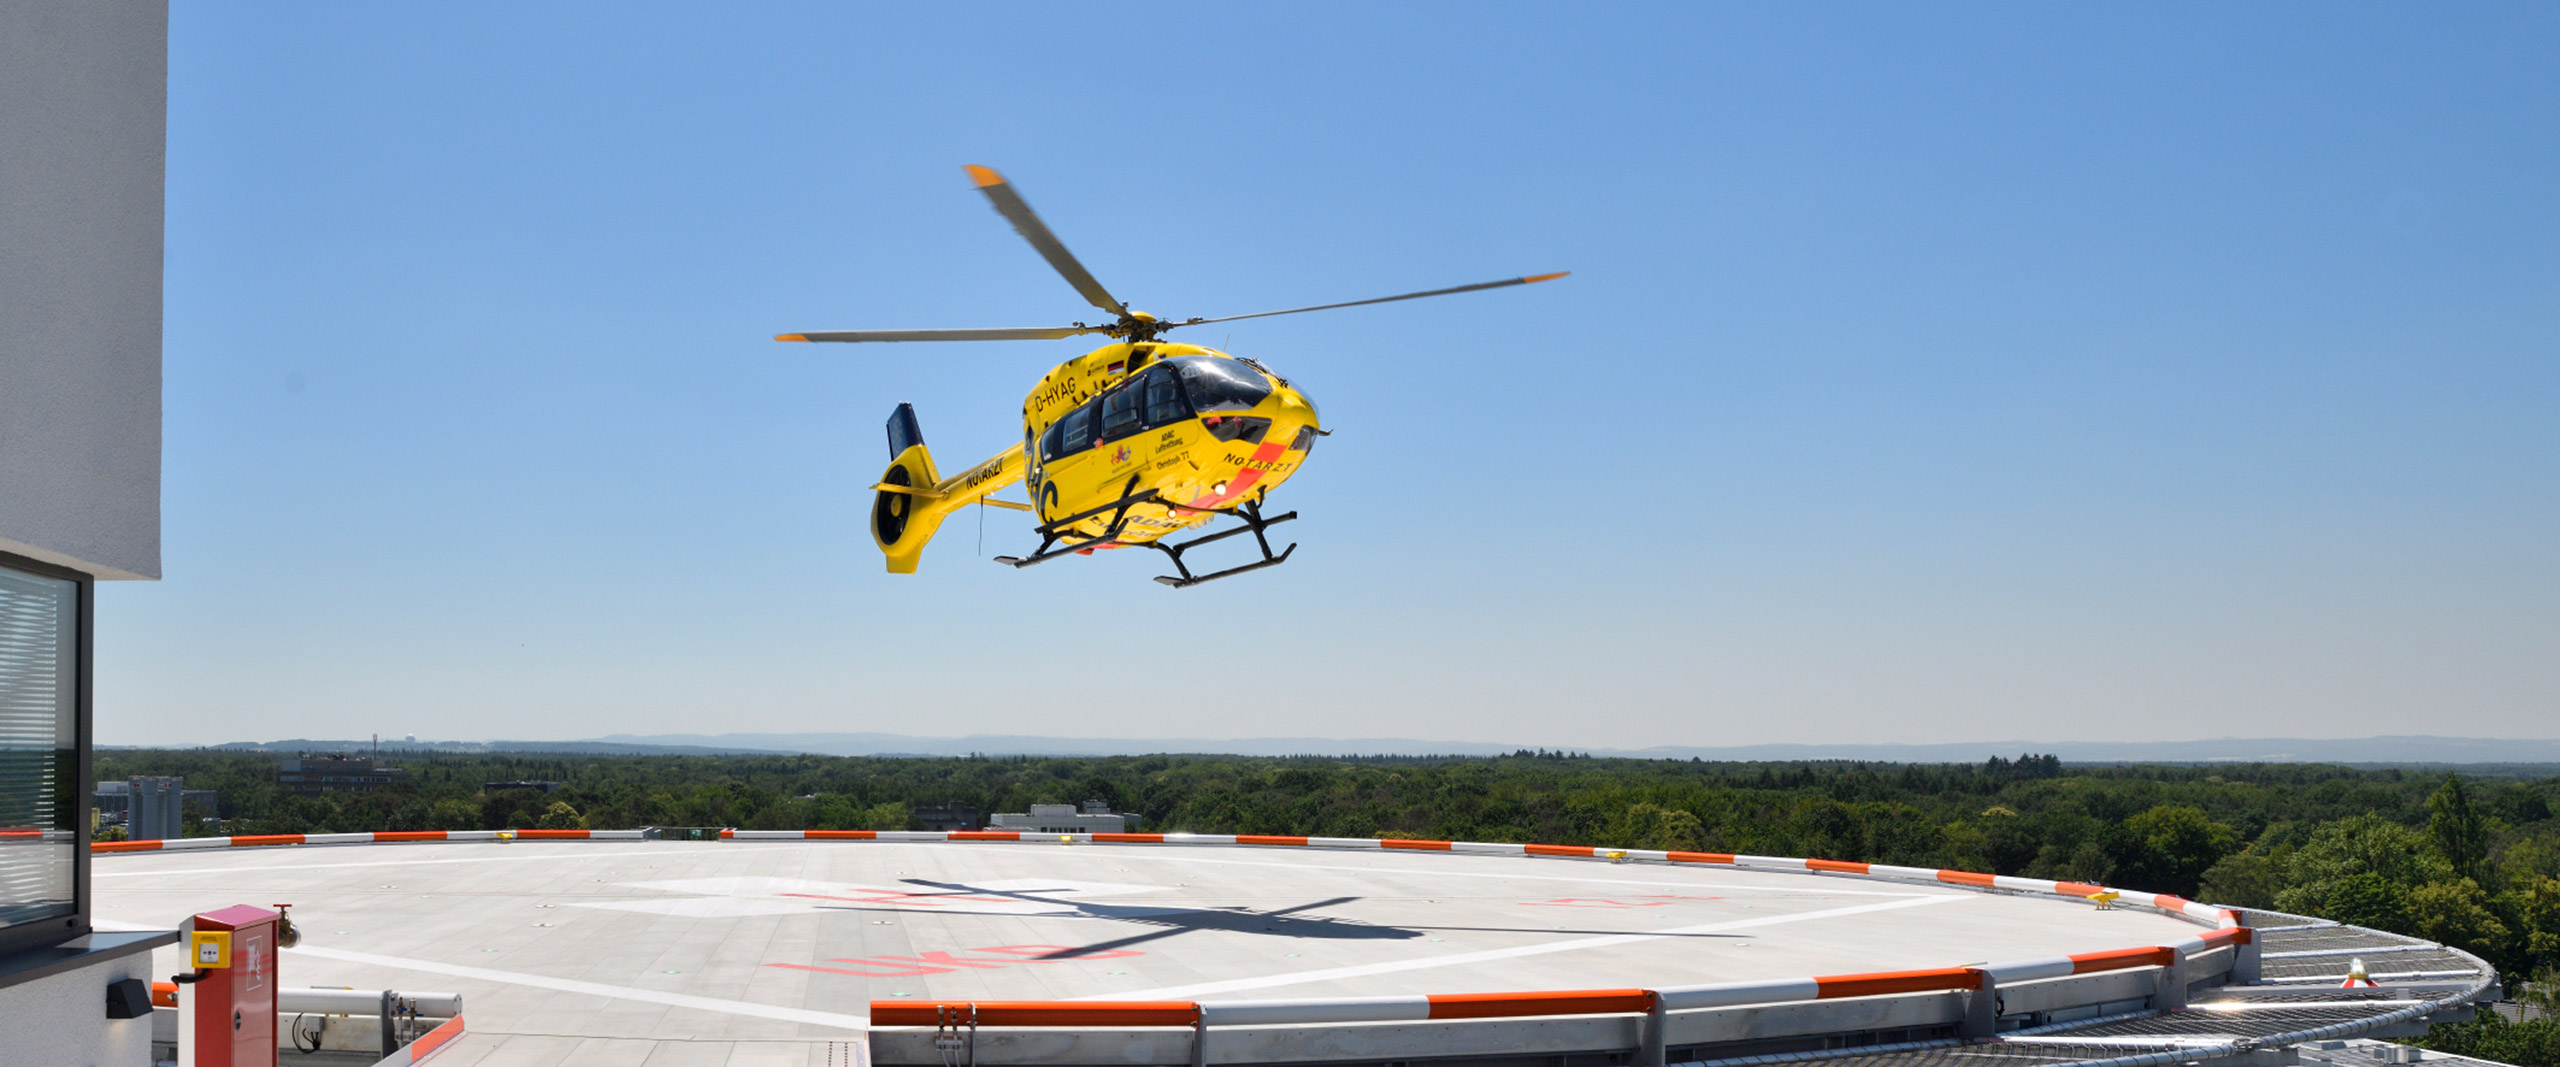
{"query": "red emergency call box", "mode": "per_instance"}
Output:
(227, 1018)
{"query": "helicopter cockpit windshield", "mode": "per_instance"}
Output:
(1220, 384)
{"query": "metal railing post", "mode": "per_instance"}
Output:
(1200, 1038)
(2171, 993)
(1981, 1008)
(1655, 1036)
(2244, 956)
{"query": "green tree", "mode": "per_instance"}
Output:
(889, 816)
(559, 816)
(2172, 846)
(2457, 913)
(453, 813)
(2367, 844)
(2242, 880)
(1966, 846)
(2536, 907)
(191, 819)
(2456, 831)
(1656, 827)
(1901, 834)
(2359, 899)
(2531, 858)
(1102, 788)
(2491, 1037)
(2086, 862)
(1827, 829)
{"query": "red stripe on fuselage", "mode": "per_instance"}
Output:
(1270, 452)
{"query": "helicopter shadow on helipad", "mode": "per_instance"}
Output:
(1287, 922)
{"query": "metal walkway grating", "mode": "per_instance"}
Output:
(2226, 1022)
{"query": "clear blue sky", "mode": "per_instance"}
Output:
(1926, 373)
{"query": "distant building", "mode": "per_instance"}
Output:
(164, 812)
(1095, 818)
(313, 775)
(156, 808)
(945, 817)
(547, 787)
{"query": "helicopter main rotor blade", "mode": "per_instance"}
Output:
(1010, 205)
(1028, 333)
(1379, 300)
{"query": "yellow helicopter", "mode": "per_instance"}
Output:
(1122, 446)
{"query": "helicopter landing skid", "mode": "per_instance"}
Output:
(1049, 532)
(1251, 515)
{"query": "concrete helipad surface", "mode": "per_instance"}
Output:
(743, 953)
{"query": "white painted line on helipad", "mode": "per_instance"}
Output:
(1577, 944)
(855, 1023)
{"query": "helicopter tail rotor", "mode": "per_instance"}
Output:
(904, 511)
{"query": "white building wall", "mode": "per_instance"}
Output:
(83, 129)
(61, 1020)
(1059, 819)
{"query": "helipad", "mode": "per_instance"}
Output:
(771, 952)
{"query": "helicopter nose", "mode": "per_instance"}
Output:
(1302, 411)
(1299, 404)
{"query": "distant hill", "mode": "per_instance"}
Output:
(304, 744)
(2404, 751)
(2411, 750)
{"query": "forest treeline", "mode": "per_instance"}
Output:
(2472, 861)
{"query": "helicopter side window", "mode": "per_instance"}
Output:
(1216, 384)
(1120, 410)
(1072, 433)
(1049, 439)
(1164, 398)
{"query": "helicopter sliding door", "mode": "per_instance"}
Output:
(1090, 454)
(1061, 451)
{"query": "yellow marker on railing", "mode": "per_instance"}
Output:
(2105, 901)
(1616, 857)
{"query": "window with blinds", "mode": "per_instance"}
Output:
(39, 746)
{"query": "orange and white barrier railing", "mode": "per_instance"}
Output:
(377, 838)
(1425, 1007)
(1414, 1008)
(1422, 1007)
(2201, 914)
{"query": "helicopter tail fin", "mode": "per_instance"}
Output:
(905, 509)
